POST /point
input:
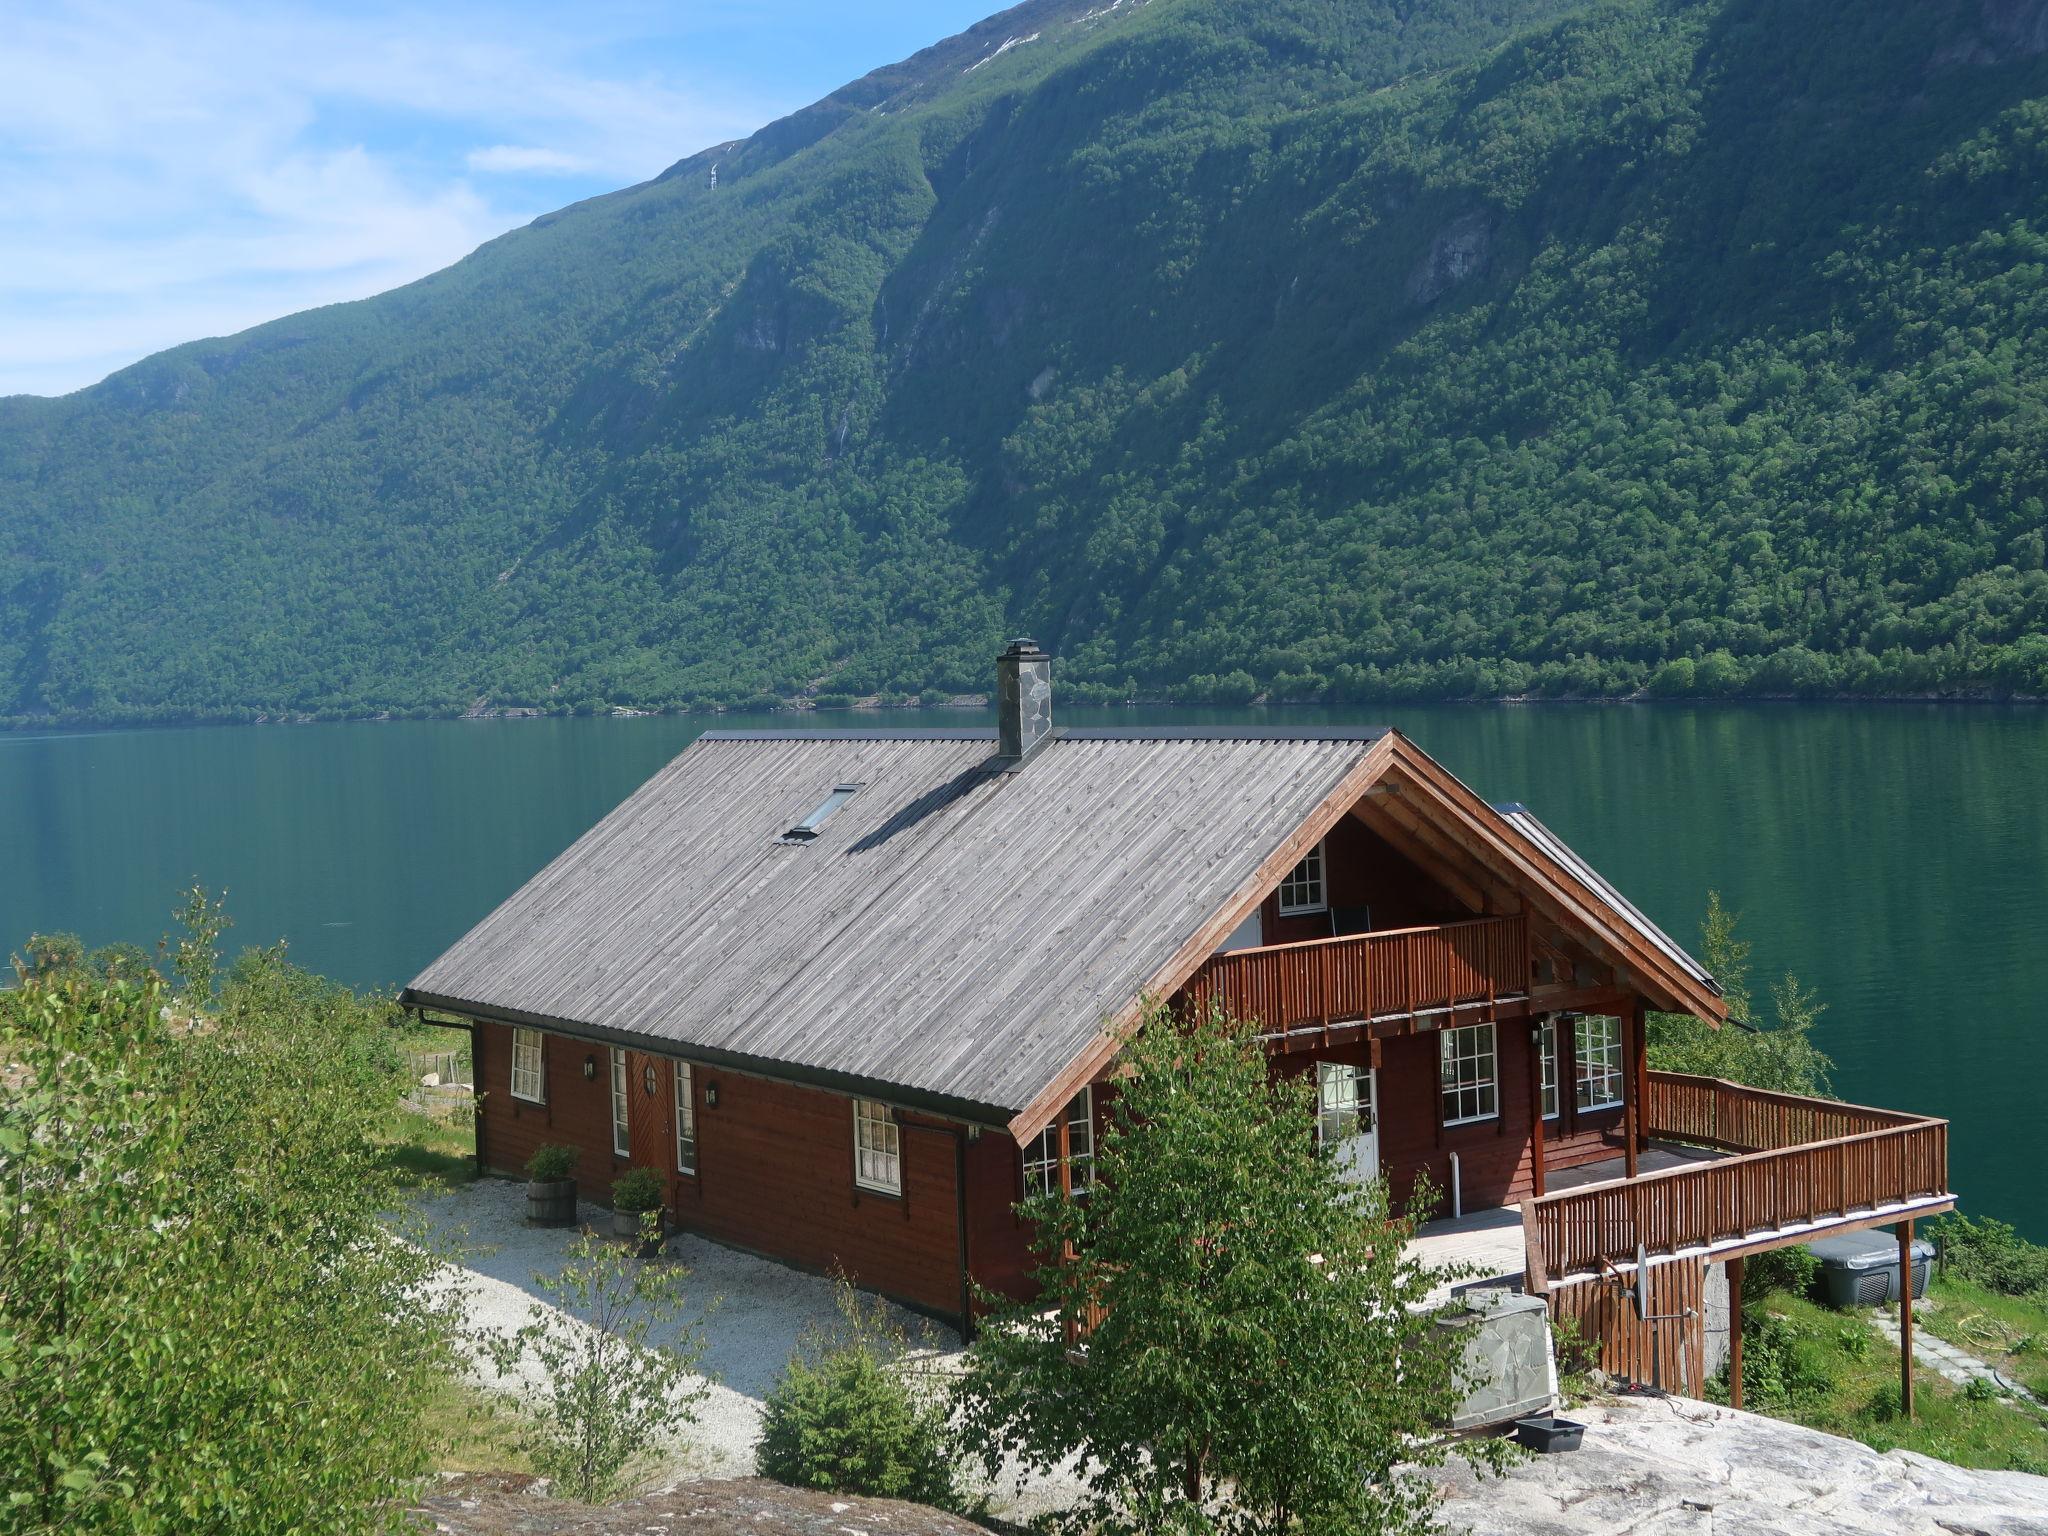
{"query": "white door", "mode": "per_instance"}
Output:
(1347, 1117)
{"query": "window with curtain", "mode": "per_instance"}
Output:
(529, 1067)
(622, 1141)
(686, 1118)
(877, 1148)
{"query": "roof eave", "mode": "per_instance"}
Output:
(942, 1106)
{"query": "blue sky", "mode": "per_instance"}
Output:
(173, 170)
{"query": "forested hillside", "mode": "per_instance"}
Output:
(1343, 349)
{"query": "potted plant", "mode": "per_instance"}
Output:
(636, 1209)
(551, 1187)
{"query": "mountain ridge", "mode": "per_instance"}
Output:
(1455, 349)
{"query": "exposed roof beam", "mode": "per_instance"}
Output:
(1466, 878)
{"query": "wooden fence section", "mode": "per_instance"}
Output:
(1711, 1112)
(1747, 1196)
(1667, 1349)
(1367, 975)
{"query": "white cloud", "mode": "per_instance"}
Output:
(192, 168)
(514, 158)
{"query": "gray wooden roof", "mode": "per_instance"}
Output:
(956, 935)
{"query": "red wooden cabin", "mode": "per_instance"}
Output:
(851, 992)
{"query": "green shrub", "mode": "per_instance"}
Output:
(1782, 1364)
(605, 1370)
(1993, 1255)
(203, 1323)
(550, 1163)
(851, 1414)
(637, 1190)
(1793, 1270)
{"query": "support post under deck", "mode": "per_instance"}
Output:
(1631, 1097)
(1906, 1318)
(1735, 1332)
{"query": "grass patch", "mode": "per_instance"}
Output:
(2007, 1332)
(1832, 1371)
(472, 1430)
(432, 1148)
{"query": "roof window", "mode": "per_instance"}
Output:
(807, 829)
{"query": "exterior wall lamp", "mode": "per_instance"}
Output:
(711, 1095)
(590, 1068)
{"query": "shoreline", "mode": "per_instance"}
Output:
(25, 725)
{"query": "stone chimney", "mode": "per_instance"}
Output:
(1023, 699)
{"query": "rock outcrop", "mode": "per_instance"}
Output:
(1663, 1466)
(494, 1504)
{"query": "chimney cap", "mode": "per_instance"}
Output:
(1023, 645)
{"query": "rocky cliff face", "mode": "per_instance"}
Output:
(2003, 32)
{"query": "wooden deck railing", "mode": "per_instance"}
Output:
(1367, 975)
(1799, 1161)
(1712, 1112)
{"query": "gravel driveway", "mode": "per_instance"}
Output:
(758, 1311)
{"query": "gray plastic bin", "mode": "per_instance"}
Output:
(1861, 1269)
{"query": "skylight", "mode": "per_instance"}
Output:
(808, 828)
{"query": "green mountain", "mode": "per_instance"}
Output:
(1321, 348)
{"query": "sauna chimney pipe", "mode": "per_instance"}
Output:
(1023, 699)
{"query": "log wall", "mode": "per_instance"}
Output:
(774, 1169)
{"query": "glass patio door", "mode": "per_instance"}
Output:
(1347, 1118)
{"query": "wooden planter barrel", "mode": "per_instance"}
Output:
(551, 1202)
(626, 1224)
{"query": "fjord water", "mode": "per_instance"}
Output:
(1894, 856)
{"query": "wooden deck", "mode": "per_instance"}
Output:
(1490, 1243)
(1401, 972)
(1795, 1168)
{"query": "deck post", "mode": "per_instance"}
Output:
(1641, 1025)
(1536, 1104)
(1735, 1332)
(1906, 1318)
(1535, 1274)
(1631, 1098)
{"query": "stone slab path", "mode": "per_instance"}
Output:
(1949, 1362)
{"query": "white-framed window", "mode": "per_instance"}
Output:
(1470, 1080)
(1342, 1100)
(622, 1140)
(1302, 890)
(877, 1148)
(529, 1066)
(1546, 1054)
(1596, 1049)
(1042, 1157)
(686, 1118)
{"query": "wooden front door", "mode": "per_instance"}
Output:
(650, 1112)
